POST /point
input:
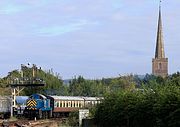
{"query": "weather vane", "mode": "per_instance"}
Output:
(160, 3)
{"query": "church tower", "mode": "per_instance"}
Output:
(160, 63)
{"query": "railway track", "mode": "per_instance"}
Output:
(31, 123)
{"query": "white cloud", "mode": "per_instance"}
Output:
(56, 30)
(12, 9)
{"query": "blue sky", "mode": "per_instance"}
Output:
(92, 38)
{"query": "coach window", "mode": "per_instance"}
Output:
(75, 104)
(69, 104)
(60, 103)
(72, 103)
(78, 104)
(64, 103)
(57, 104)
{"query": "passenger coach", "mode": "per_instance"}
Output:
(5, 107)
(63, 105)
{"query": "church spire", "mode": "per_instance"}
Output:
(160, 63)
(159, 42)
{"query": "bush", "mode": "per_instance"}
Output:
(151, 108)
(73, 119)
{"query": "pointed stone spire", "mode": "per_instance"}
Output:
(160, 63)
(159, 42)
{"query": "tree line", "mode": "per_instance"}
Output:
(79, 86)
(156, 103)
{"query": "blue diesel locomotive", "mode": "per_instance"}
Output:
(38, 106)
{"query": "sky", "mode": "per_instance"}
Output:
(92, 38)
